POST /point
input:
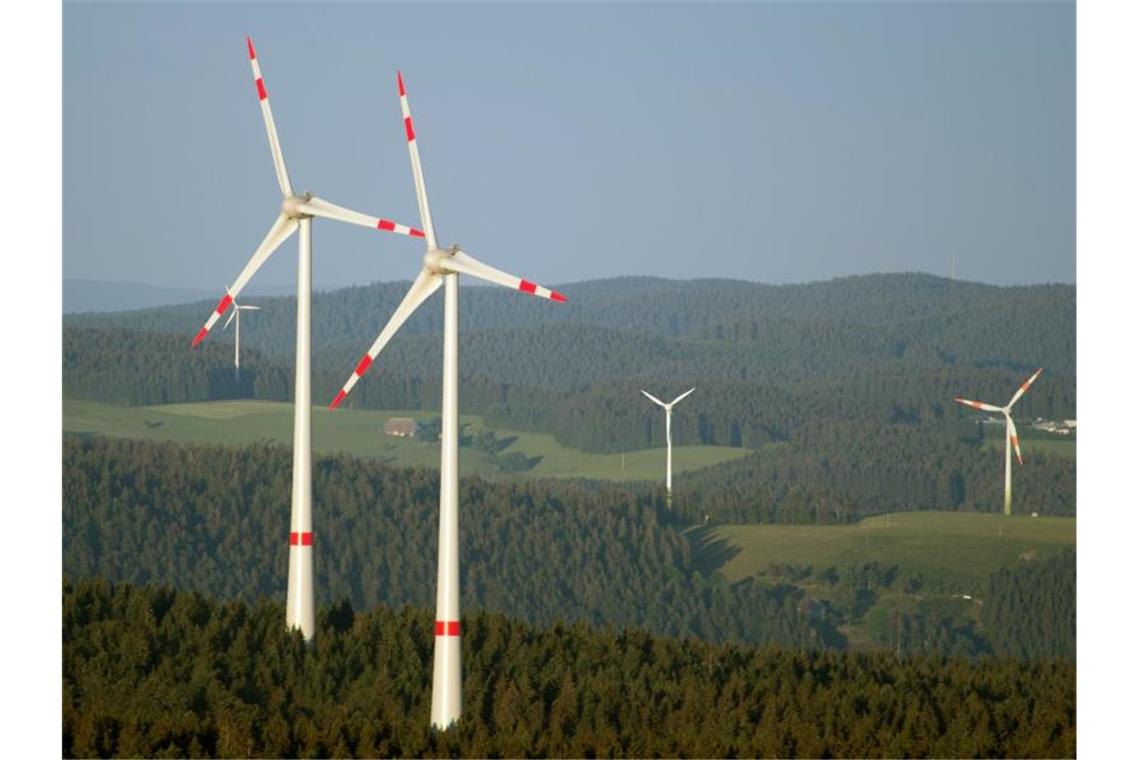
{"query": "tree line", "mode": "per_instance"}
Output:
(215, 519)
(642, 329)
(152, 671)
(837, 472)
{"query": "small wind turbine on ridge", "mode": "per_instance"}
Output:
(1010, 433)
(297, 212)
(235, 317)
(668, 438)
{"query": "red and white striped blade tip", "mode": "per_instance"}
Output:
(400, 83)
(526, 286)
(249, 44)
(336, 401)
(219, 310)
(387, 225)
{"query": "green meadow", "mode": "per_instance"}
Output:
(960, 548)
(358, 432)
(1053, 446)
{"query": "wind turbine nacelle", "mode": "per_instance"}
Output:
(292, 206)
(435, 261)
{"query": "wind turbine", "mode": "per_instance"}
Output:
(668, 438)
(442, 267)
(297, 212)
(236, 315)
(1010, 432)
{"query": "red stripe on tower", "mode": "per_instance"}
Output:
(447, 628)
(363, 365)
(527, 286)
(408, 128)
(300, 539)
(261, 93)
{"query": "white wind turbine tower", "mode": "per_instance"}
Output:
(1010, 433)
(442, 267)
(297, 212)
(235, 317)
(668, 438)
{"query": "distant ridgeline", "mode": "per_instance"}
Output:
(213, 519)
(729, 336)
(643, 328)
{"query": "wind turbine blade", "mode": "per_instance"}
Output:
(233, 313)
(250, 308)
(425, 284)
(465, 264)
(654, 399)
(979, 405)
(1013, 438)
(1025, 386)
(278, 234)
(326, 210)
(686, 393)
(270, 127)
(417, 169)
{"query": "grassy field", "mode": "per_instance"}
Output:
(1057, 447)
(1032, 442)
(957, 547)
(240, 423)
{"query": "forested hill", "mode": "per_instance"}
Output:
(649, 328)
(214, 519)
(151, 672)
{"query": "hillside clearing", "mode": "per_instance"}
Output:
(955, 547)
(357, 432)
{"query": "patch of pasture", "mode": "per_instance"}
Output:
(950, 548)
(358, 432)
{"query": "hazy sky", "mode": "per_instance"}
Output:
(770, 142)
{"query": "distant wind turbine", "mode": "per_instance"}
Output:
(1010, 432)
(668, 438)
(235, 317)
(297, 212)
(441, 267)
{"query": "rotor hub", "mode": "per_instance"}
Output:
(433, 261)
(291, 206)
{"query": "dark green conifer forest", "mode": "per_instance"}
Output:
(215, 519)
(150, 671)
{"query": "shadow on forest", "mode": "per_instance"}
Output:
(710, 553)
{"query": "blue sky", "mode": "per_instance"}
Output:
(769, 142)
